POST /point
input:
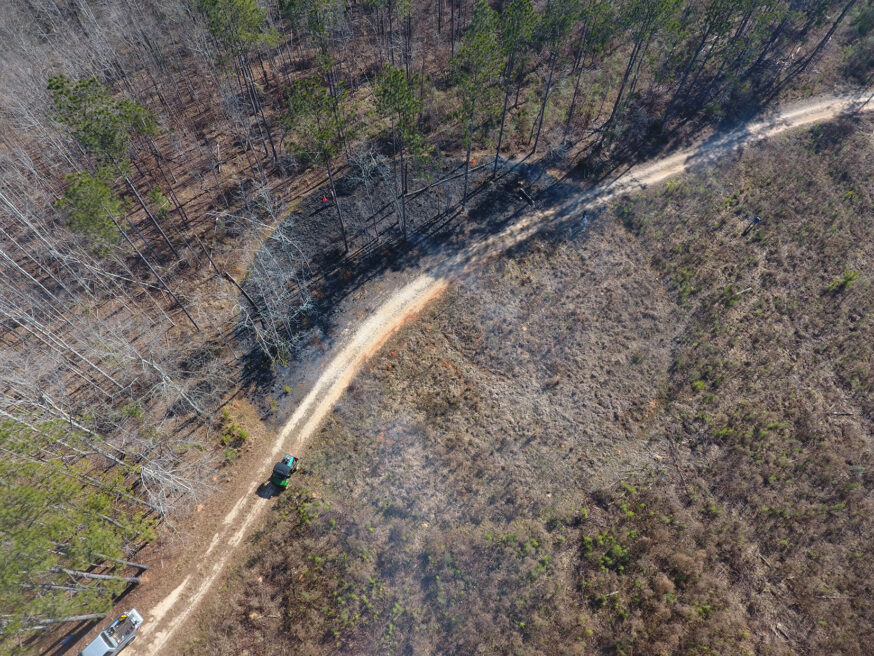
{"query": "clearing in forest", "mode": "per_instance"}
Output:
(651, 435)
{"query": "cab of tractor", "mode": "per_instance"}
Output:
(283, 470)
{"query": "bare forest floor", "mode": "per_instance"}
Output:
(651, 435)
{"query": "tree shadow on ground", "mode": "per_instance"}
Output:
(438, 228)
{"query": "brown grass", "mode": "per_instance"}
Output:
(651, 439)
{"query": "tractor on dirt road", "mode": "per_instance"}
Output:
(283, 470)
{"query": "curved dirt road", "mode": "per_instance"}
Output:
(164, 619)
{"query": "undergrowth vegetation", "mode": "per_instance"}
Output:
(651, 436)
(772, 384)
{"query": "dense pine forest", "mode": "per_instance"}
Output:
(183, 181)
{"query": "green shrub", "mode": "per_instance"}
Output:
(844, 282)
(233, 435)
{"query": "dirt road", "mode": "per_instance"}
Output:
(164, 619)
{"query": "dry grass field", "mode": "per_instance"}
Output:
(648, 436)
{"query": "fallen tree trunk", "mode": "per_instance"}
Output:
(100, 577)
(44, 624)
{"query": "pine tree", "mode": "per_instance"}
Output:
(477, 67)
(316, 128)
(644, 19)
(58, 520)
(397, 100)
(93, 208)
(238, 26)
(518, 21)
(104, 128)
(595, 32)
(555, 24)
(323, 20)
(102, 125)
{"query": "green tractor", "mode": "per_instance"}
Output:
(283, 470)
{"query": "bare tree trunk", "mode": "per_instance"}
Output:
(452, 28)
(686, 71)
(337, 205)
(157, 275)
(332, 88)
(250, 92)
(142, 237)
(467, 157)
(69, 588)
(797, 70)
(44, 624)
(97, 577)
(403, 193)
(151, 216)
(259, 108)
(53, 343)
(631, 61)
(545, 98)
(231, 280)
(508, 74)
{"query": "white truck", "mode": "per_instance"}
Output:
(116, 637)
